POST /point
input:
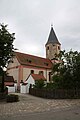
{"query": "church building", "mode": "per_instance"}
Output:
(23, 64)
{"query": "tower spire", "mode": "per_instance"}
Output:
(53, 46)
(52, 37)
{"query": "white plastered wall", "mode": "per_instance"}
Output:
(14, 73)
(14, 63)
(12, 69)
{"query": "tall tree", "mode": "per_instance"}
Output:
(66, 74)
(6, 49)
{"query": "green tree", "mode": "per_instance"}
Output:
(66, 74)
(6, 49)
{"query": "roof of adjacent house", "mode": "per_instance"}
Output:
(30, 60)
(38, 77)
(9, 81)
(52, 38)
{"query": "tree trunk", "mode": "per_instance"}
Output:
(2, 86)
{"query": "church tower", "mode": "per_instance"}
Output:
(52, 46)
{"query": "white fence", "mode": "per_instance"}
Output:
(23, 89)
(11, 89)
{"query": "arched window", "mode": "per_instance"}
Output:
(58, 47)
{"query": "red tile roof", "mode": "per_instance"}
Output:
(9, 81)
(30, 60)
(38, 77)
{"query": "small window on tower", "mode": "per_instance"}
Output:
(58, 47)
(48, 48)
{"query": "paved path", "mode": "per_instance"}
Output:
(67, 114)
(31, 104)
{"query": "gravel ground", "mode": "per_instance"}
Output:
(30, 104)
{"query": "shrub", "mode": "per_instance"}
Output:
(12, 98)
(39, 84)
(50, 86)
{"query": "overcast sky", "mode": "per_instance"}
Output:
(31, 21)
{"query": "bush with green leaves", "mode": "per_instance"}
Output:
(39, 83)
